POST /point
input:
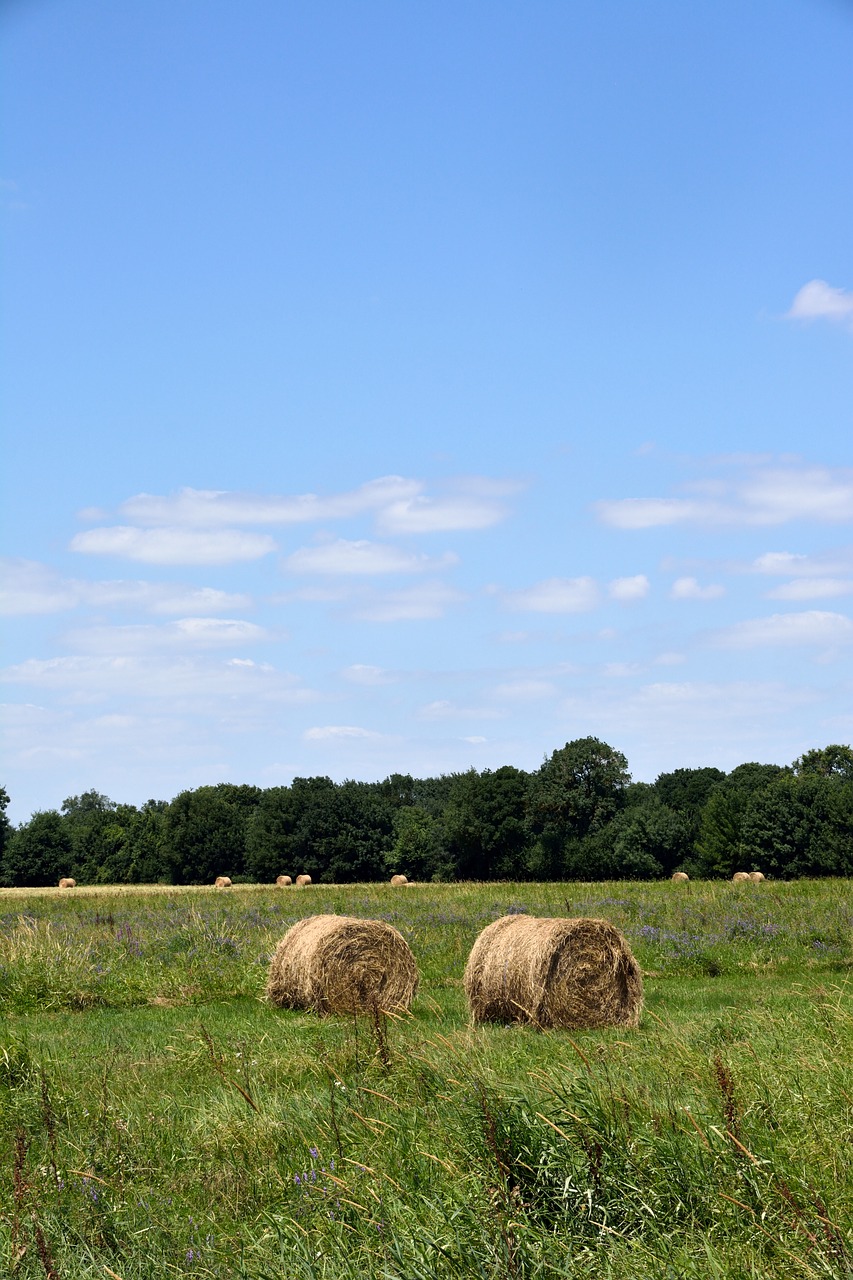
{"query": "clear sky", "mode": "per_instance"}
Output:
(416, 386)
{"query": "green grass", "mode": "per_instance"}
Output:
(157, 1119)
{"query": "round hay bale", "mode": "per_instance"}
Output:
(67, 883)
(739, 877)
(340, 964)
(222, 882)
(283, 881)
(757, 876)
(399, 880)
(553, 973)
(303, 880)
(680, 876)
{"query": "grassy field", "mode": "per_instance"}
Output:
(158, 1119)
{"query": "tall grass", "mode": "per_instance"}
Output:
(157, 1119)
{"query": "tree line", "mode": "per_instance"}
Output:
(578, 817)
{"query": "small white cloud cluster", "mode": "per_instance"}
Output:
(818, 300)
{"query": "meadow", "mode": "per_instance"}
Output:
(157, 1118)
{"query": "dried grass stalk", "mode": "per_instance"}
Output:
(680, 875)
(399, 880)
(222, 882)
(340, 964)
(757, 876)
(740, 876)
(303, 880)
(283, 881)
(553, 973)
(67, 883)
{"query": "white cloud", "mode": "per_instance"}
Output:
(338, 733)
(184, 633)
(445, 709)
(627, 589)
(399, 504)
(811, 589)
(207, 508)
(672, 724)
(29, 587)
(787, 564)
(620, 670)
(556, 595)
(525, 690)
(363, 674)
(757, 493)
(813, 627)
(689, 589)
(361, 557)
(427, 600)
(441, 515)
(179, 680)
(174, 545)
(818, 300)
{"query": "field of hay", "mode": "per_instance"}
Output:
(157, 1118)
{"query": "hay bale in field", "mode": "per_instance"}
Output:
(756, 876)
(302, 881)
(680, 876)
(222, 882)
(340, 964)
(67, 883)
(739, 877)
(553, 973)
(283, 881)
(399, 880)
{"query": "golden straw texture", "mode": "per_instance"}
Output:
(340, 964)
(553, 973)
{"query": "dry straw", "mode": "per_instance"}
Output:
(757, 876)
(303, 880)
(222, 882)
(680, 875)
(67, 883)
(340, 964)
(740, 876)
(399, 880)
(553, 973)
(283, 881)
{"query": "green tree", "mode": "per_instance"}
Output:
(40, 851)
(578, 790)
(485, 824)
(204, 836)
(98, 830)
(834, 761)
(6, 830)
(419, 850)
(800, 826)
(719, 844)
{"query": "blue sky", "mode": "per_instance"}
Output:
(411, 387)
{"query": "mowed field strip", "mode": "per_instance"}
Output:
(158, 1117)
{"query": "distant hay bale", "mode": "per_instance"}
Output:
(222, 882)
(740, 876)
(680, 875)
(757, 876)
(340, 964)
(283, 881)
(399, 880)
(67, 883)
(302, 881)
(553, 973)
